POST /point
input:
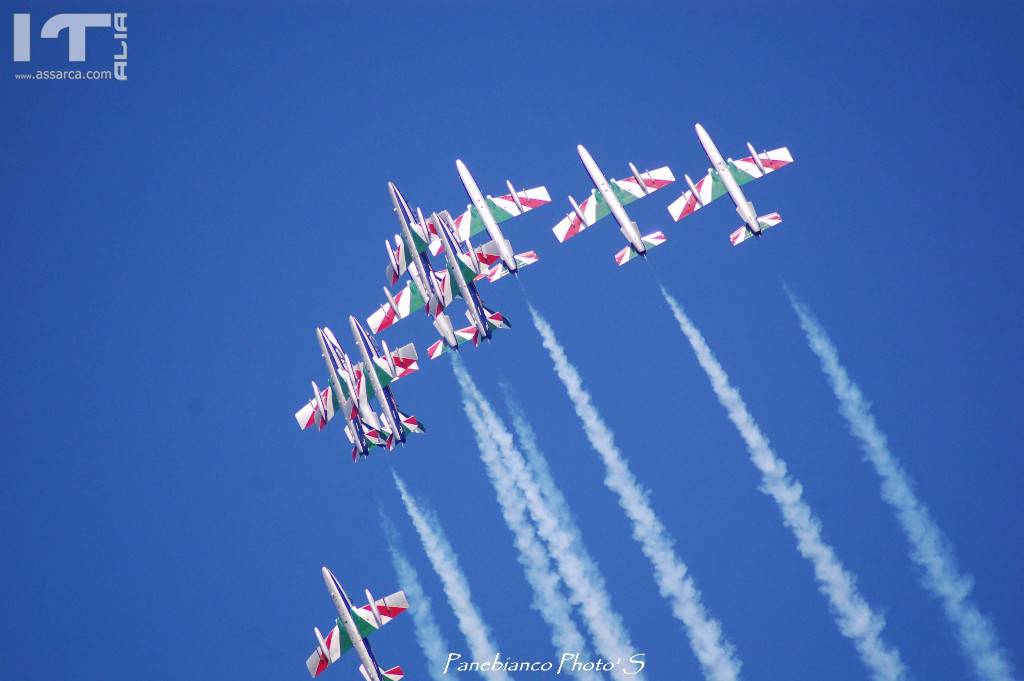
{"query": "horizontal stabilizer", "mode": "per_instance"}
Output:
(436, 349)
(487, 253)
(393, 674)
(524, 259)
(410, 423)
(764, 222)
(497, 320)
(376, 435)
(654, 239)
(405, 360)
(650, 241)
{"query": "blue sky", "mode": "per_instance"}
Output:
(170, 243)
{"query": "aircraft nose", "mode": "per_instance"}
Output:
(699, 128)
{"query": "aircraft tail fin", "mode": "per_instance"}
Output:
(524, 259)
(404, 360)
(487, 254)
(410, 423)
(496, 320)
(764, 222)
(652, 240)
(393, 674)
(437, 348)
(376, 435)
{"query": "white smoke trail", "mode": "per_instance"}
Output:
(716, 656)
(930, 549)
(853, 615)
(428, 633)
(545, 582)
(446, 565)
(508, 470)
(558, 527)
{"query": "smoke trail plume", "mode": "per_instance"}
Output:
(428, 633)
(446, 565)
(545, 583)
(929, 548)
(716, 656)
(565, 542)
(854, 616)
(508, 469)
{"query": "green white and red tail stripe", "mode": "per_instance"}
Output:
(628, 253)
(524, 259)
(763, 221)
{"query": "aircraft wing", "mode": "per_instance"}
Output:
(502, 208)
(388, 608)
(592, 209)
(403, 361)
(407, 301)
(337, 642)
(626, 191)
(310, 412)
(710, 187)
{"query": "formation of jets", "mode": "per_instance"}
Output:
(433, 289)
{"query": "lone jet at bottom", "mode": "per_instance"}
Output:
(725, 177)
(352, 628)
(610, 197)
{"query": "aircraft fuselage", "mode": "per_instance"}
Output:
(389, 409)
(333, 373)
(421, 275)
(477, 198)
(466, 288)
(626, 226)
(743, 207)
(344, 608)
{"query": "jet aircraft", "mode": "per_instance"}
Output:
(610, 197)
(484, 213)
(427, 289)
(465, 269)
(352, 629)
(384, 369)
(725, 177)
(347, 392)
